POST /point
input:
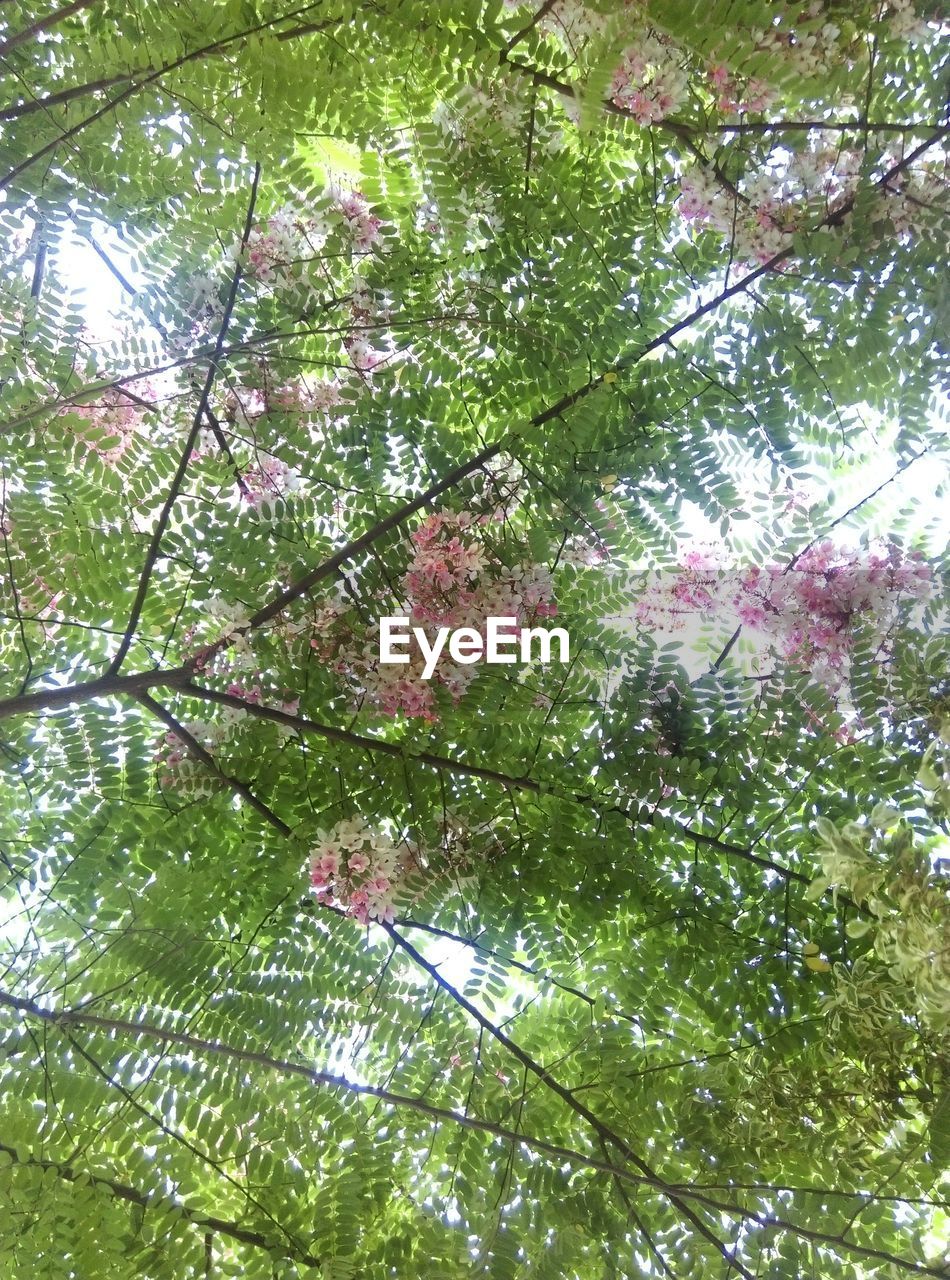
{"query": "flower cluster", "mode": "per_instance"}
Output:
(657, 76)
(180, 770)
(228, 631)
(189, 776)
(575, 24)
(362, 226)
(268, 482)
(808, 49)
(363, 355)
(903, 23)
(117, 415)
(475, 113)
(454, 579)
(503, 485)
(359, 869)
(758, 227)
(280, 252)
(304, 397)
(915, 201)
(650, 82)
(760, 219)
(809, 613)
(584, 552)
(733, 97)
(37, 601)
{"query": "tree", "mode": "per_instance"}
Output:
(629, 965)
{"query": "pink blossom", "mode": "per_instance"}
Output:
(454, 579)
(270, 480)
(808, 612)
(363, 226)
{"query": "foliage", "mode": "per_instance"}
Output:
(463, 308)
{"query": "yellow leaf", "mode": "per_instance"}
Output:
(610, 377)
(608, 482)
(817, 965)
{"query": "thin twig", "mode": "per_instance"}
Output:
(165, 514)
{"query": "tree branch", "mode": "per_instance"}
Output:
(43, 24)
(603, 1131)
(107, 686)
(520, 783)
(151, 77)
(156, 1199)
(148, 1031)
(208, 760)
(165, 514)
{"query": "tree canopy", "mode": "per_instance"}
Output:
(624, 317)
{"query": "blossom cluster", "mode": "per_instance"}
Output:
(179, 770)
(571, 21)
(268, 482)
(758, 222)
(368, 316)
(735, 98)
(454, 579)
(503, 486)
(657, 76)
(361, 870)
(651, 79)
(915, 200)
(809, 613)
(651, 82)
(584, 552)
(280, 251)
(245, 405)
(364, 357)
(475, 112)
(358, 868)
(903, 22)
(760, 219)
(286, 253)
(268, 478)
(182, 771)
(361, 225)
(117, 415)
(806, 48)
(224, 646)
(37, 600)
